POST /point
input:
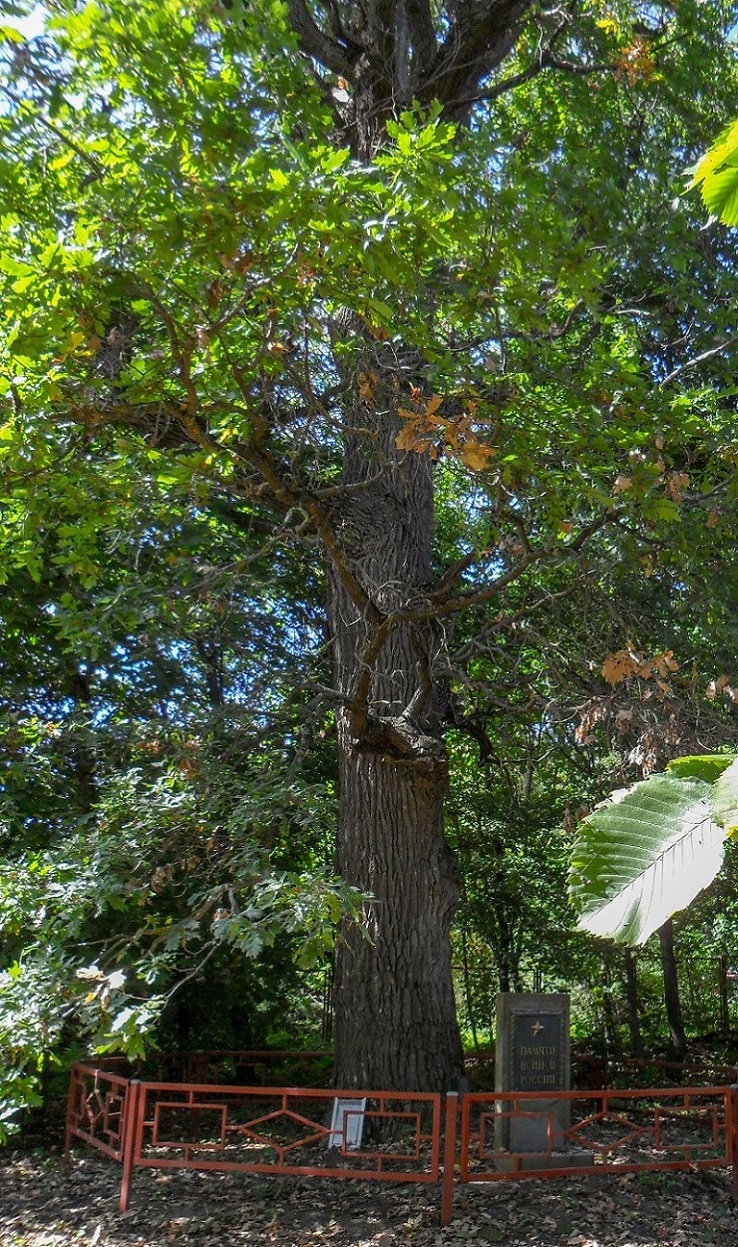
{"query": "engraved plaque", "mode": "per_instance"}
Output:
(537, 1052)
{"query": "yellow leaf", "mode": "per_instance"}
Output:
(367, 381)
(73, 341)
(678, 482)
(476, 456)
(620, 666)
(407, 438)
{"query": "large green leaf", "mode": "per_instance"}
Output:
(640, 858)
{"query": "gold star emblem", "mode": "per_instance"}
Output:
(537, 1028)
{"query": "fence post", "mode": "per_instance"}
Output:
(449, 1157)
(733, 1142)
(135, 1100)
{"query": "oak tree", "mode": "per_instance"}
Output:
(338, 267)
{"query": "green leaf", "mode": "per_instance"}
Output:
(724, 799)
(335, 160)
(663, 509)
(9, 34)
(707, 767)
(720, 195)
(723, 150)
(641, 858)
(717, 176)
(278, 179)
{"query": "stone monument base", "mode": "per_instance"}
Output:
(577, 1158)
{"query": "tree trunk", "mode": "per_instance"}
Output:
(471, 1012)
(395, 1012)
(612, 1046)
(84, 753)
(631, 991)
(503, 972)
(671, 992)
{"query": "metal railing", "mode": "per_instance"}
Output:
(98, 1109)
(594, 1132)
(284, 1130)
(399, 1136)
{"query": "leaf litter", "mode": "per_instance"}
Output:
(44, 1204)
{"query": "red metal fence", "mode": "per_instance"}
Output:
(171, 1125)
(98, 1109)
(399, 1136)
(615, 1131)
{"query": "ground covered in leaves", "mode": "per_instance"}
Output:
(42, 1204)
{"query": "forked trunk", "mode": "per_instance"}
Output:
(395, 1014)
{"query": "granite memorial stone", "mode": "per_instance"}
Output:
(533, 1054)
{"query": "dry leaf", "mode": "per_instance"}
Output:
(367, 383)
(620, 666)
(678, 482)
(476, 456)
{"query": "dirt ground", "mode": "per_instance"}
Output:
(42, 1204)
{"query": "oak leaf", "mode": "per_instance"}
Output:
(620, 666)
(677, 483)
(476, 456)
(367, 383)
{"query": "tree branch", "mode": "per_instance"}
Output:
(422, 33)
(479, 38)
(315, 42)
(692, 363)
(544, 61)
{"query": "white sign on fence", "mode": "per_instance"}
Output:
(348, 1115)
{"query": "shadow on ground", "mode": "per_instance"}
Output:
(42, 1204)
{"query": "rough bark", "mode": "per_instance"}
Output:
(395, 1012)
